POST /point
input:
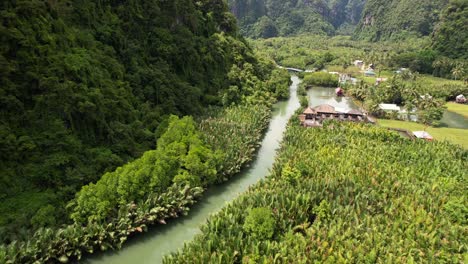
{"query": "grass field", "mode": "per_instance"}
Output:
(461, 109)
(453, 135)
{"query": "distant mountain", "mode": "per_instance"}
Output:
(365, 19)
(393, 19)
(271, 18)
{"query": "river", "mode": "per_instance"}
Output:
(162, 240)
(454, 120)
(322, 95)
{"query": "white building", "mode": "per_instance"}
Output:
(389, 107)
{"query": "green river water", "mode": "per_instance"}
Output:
(454, 120)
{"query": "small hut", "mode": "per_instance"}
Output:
(460, 99)
(369, 73)
(423, 135)
(309, 113)
(389, 107)
(358, 63)
(325, 109)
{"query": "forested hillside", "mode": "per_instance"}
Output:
(271, 18)
(86, 86)
(451, 35)
(393, 19)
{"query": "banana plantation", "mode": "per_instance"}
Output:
(346, 193)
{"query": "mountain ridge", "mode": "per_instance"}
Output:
(271, 18)
(372, 20)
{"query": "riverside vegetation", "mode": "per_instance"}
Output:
(345, 193)
(160, 185)
(87, 87)
(82, 97)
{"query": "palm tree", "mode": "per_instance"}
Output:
(459, 72)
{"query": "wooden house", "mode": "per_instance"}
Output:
(313, 117)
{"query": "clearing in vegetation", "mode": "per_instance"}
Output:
(461, 109)
(453, 135)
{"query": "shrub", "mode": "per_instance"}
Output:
(290, 174)
(44, 217)
(260, 223)
(321, 79)
(181, 156)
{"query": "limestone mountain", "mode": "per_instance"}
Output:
(271, 18)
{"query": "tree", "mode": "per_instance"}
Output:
(265, 28)
(260, 223)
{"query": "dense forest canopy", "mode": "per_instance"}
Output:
(271, 18)
(393, 19)
(451, 35)
(87, 85)
(365, 19)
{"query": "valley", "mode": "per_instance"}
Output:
(321, 131)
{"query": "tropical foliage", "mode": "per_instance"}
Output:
(260, 223)
(321, 52)
(87, 87)
(160, 185)
(181, 156)
(256, 84)
(425, 95)
(73, 241)
(323, 79)
(451, 35)
(362, 194)
(272, 18)
(398, 19)
(395, 92)
(236, 133)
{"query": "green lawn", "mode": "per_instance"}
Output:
(461, 109)
(453, 135)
